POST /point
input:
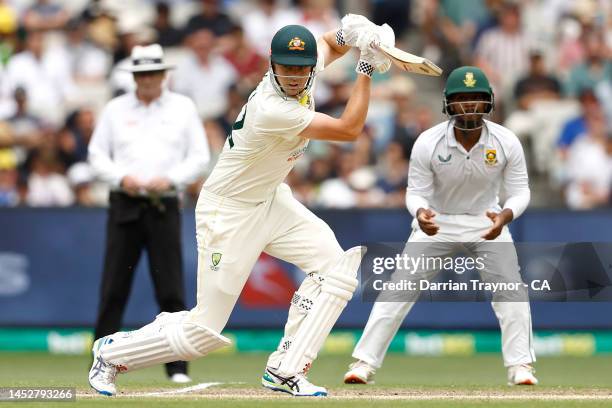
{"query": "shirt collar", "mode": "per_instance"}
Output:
(135, 102)
(452, 141)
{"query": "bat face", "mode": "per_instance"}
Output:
(409, 62)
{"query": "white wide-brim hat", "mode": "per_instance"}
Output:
(148, 58)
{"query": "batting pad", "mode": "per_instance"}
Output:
(173, 340)
(336, 290)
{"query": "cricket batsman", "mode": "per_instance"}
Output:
(456, 170)
(245, 209)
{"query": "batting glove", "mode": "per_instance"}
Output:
(353, 25)
(367, 43)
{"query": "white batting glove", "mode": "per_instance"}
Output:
(367, 43)
(353, 25)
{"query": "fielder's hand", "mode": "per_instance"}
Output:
(425, 218)
(499, 221)
(130, 185)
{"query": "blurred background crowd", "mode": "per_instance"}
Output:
(550, 62)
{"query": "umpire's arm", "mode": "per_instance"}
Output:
(197, 153)
(100, 152)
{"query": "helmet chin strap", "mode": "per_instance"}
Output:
(469, 124)
(279, 89)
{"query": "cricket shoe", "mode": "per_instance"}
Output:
(522, 374)
(180, 378)
(360, 372)
(102, 374)
(296, 385)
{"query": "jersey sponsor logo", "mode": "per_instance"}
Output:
(491, 157)
(469, 80)
(297, 154)
(296, 44)
(445, 159)
(215, 258)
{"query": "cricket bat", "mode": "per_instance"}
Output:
(409, 62)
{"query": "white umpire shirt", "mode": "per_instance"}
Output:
(445, 177)
(163, 139)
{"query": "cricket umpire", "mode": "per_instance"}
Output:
(148, 144)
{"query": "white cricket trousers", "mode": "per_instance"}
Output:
(514, 317)
(232, 234)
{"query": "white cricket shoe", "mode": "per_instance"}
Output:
(360, 372)
(102, 374)
(522, 374)
(297, 385)
(180, 378)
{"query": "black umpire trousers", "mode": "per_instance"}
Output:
(134, 224)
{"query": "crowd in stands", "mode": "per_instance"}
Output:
(550, 63)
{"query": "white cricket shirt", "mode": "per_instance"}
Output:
(265, 143)
(445, 177)
(163, 139)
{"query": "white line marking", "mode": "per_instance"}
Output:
(197, 387)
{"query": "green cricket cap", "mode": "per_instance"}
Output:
(294, 45)
(467, 79)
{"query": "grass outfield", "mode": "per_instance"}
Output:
(404, 381)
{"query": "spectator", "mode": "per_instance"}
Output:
(538, 84)
(393, 173)
(221, 126)
(45, 15)
(45, 76)
(88, 62)
(263, 21)
(441, 39)
(26, 127)
(9, 194)
(577, 127)
(74, 138)
(570, 48)
(204, 76)
(249, 65)
(166, 34)
(211, 17)
(367, 194)
(396, 13)
(596, 67)
(88, 191)
(502, 52)
(47, 185)
(589, 168)
(8, 19)
(319, 16)
(337, 192)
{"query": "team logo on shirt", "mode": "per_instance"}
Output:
(305, 100)
(445, 159)
(469, 80)
(296, 44)
(215, 259)
(491, 157)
